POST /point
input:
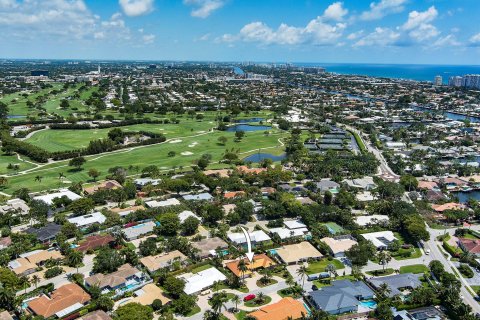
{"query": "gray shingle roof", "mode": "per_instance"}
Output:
(397, 281)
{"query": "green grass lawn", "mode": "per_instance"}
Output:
(319, 266)
(261, 285)
(150, 155)
(476, 288)
(6, 160)
(381, 272)
(241, 315)
(414, 253)
(253, 303)
(229, 297)
(194, 311)
(415, 268)
(201, 268)
(327, 282)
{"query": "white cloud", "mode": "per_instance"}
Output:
(380, 37)
(416, 19)
(135, 8)
(203, 8)
(475, 40)
(380, 9)
(58, 20)
(335, 12)
(448, 40)
(355, 35)
(148, 38)
(318, 31)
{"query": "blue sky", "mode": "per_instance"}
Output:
(378, 31)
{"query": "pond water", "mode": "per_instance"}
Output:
(247, 128)
(258, 157)
(249, 120)
(15, 117)
(464, 196)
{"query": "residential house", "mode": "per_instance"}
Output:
(161, 204)
(154, 263)
(292, 229)
(139, 230)
(48, 198)
(197, 282)
(122, 212)
(247, 170)
(45, 234)
(88, 220)
(96, 315)
(28, 262)
(5, 315)
(105, 185)
(325, 185)
(381, 239)
(5, 242)
(342, 296)
(397, 283)
(126, 278)
(256, 237)
(94, 242)
(373, 219)
(339, 245)
(298, 252)
(365, 183)
(209, 247)
(285, 309)
(15, 205)
(259, 261)
(470, 245)
(198, 197)
(448, 206)
(59, 303)
(149, 293)
(142, 182)
(186, 214)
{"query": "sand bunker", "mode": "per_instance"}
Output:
(175, 141)
(193, 144)
(186, 153)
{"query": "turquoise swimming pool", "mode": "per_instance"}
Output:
(371, 304)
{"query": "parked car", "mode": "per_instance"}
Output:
(249, 297)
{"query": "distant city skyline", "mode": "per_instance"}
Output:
(318, 31)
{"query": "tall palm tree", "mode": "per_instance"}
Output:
(61, 176)
(75, 258)
(35, 280)
(38, 179)
(384, 258)
(383, 291)
(24, 282)
(242, 267)
(331, 269)
(302, 273)
(261, 298)
(236, 299)
(217, 301)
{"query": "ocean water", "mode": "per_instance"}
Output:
(400, 71)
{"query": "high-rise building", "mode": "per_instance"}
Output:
(39, 73)
(456, 81)
(472, 81)
(438, 80)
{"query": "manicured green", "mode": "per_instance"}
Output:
(380, 272)
(319, 266)
(253, 303)
(414, 268)
(6, 160)
(150, 155)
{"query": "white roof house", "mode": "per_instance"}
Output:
(365, 183)
(165, 203)
(255, 236)
(364, 220)
(17, 205)
(88, 219)
(294, 224)
(293, 228)
(186, 214)
(202, 280)
(138, 230)
(380, 239)
(48, 198)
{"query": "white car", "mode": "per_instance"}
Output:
(427, 251)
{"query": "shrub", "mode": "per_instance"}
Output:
(53, 272)
(466, 271)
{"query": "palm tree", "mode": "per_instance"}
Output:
(384, 258)
(7, 297)
(24, 282)
(75, 258)
(302, 273)
(236, 299)
(242, 267)
(261, 298)
(38, 179)
(331, 269)
(35, 280)
(61, 176)
(217, 301)
(383, 291)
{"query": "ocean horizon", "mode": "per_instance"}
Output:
(417, 72)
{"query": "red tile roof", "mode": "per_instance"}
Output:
(94, 242)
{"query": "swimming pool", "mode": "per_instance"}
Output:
(371, 304)
(273, 251)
